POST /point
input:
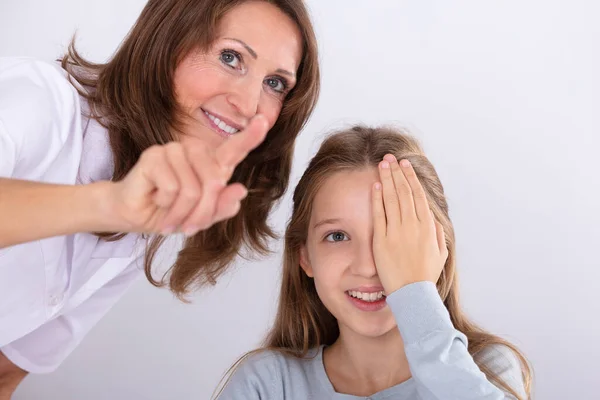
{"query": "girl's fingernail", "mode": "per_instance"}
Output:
(378, 186)
(405, 163)
(191, 231)
(385, 164)
(168, 230)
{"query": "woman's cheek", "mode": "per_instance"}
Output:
(271, 109)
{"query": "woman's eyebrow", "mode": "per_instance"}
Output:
(248, 48)
(255, 56)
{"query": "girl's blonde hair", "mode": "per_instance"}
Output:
(302, 321)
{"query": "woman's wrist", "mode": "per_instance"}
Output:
(98, 212)
(35, 210)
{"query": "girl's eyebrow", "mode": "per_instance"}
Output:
(326, 221)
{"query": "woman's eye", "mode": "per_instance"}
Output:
(276, 84)
(231, 58)
(336, 237)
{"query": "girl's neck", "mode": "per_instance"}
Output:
(362, 366)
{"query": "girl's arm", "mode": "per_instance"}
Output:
(410, 252)
(437, 353)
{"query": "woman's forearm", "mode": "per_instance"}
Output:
(33, 210)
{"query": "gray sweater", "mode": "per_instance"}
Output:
(441, 366)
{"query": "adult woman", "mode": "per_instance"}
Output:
(152, 142)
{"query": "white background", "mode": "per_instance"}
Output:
(505, 97)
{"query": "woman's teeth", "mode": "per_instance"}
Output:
(222, 125)
(373, 296)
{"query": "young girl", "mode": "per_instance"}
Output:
(369, 298)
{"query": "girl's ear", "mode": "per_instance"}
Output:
(305, 263)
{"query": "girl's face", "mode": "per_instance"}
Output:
(338, 254)
(248, 70)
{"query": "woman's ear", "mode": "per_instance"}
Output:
(304, 262)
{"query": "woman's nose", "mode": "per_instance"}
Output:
(245, 96)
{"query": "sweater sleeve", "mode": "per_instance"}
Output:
(437, 353)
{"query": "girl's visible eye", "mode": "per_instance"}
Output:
(336, 237)
(277, 84)
(231, 58)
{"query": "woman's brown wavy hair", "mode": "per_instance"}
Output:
(132, 95)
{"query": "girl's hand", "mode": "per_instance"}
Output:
(183, 188)
(408, 243)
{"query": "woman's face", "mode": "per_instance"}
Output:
(248, 70)
(339, 254)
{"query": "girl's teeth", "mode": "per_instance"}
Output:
(373, 296)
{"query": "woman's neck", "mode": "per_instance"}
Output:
(362, 366)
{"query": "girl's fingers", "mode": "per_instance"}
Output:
(403, 190)
(390, 198)
(379, 221)
(441, 238)
(421, 205)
